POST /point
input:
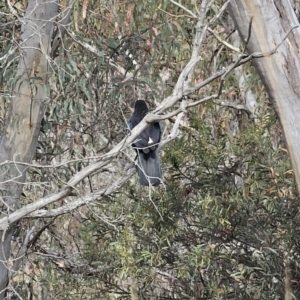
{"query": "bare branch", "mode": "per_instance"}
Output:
(84, 200)
(223, 42)
(235, 106)
(62, 28)
(184, 8)
(220, 12)
(157, 115)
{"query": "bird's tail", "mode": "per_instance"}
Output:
(149, 169)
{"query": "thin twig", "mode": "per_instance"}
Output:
(184, 8)
(223, 42)
(5, 222)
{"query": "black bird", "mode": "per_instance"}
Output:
(146, 146)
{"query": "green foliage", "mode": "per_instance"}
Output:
(203, 235)
(224, 225)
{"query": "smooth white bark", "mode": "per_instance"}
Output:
(280, 72)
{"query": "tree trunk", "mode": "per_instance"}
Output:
(279, 72)
(18, 141)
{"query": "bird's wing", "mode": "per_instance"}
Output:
(149, 138)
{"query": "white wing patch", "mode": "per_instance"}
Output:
(150, 140)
